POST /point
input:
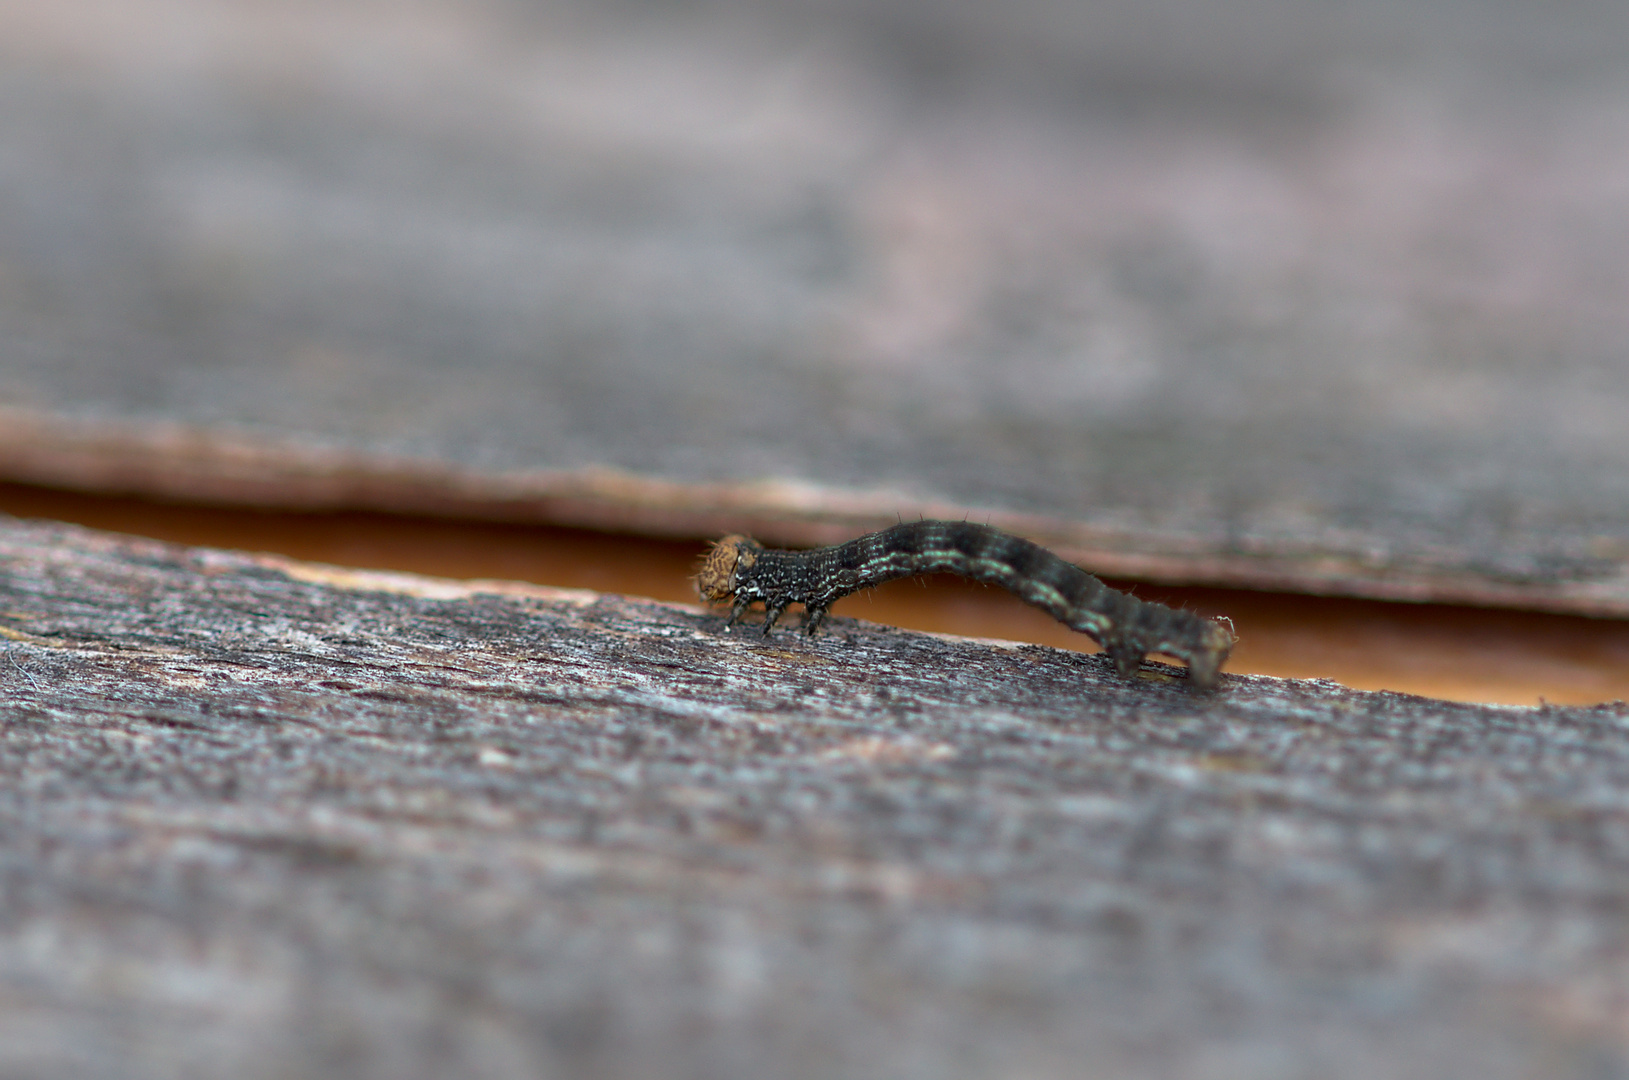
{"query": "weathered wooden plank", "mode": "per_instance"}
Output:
(268, 818)
(1236, 293)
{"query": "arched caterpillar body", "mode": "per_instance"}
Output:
(742, 571)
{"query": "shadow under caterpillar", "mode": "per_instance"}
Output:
(743, 572)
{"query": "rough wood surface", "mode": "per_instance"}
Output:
(262, 818)
(1248, 292)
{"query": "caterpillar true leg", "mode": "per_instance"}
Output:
(772, 614)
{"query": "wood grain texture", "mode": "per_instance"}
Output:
(1240, 293)
(268, 818)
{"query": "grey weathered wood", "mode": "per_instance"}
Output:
(261, 818)
(1252, 291)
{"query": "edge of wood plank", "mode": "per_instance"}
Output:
(239, 467)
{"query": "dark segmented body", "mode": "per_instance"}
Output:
(744, 572)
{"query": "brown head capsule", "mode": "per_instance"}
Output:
(716, 579)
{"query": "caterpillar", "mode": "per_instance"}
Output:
(743, 572)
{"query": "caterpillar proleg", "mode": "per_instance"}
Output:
(743, 572)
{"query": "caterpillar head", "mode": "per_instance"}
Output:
(716, 580)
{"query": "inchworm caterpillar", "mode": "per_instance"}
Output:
(744, 572)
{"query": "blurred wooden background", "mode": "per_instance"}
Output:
(1255, 294)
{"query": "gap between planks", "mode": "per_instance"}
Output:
(1457, 653)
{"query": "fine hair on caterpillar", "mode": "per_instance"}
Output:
(743, 572)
